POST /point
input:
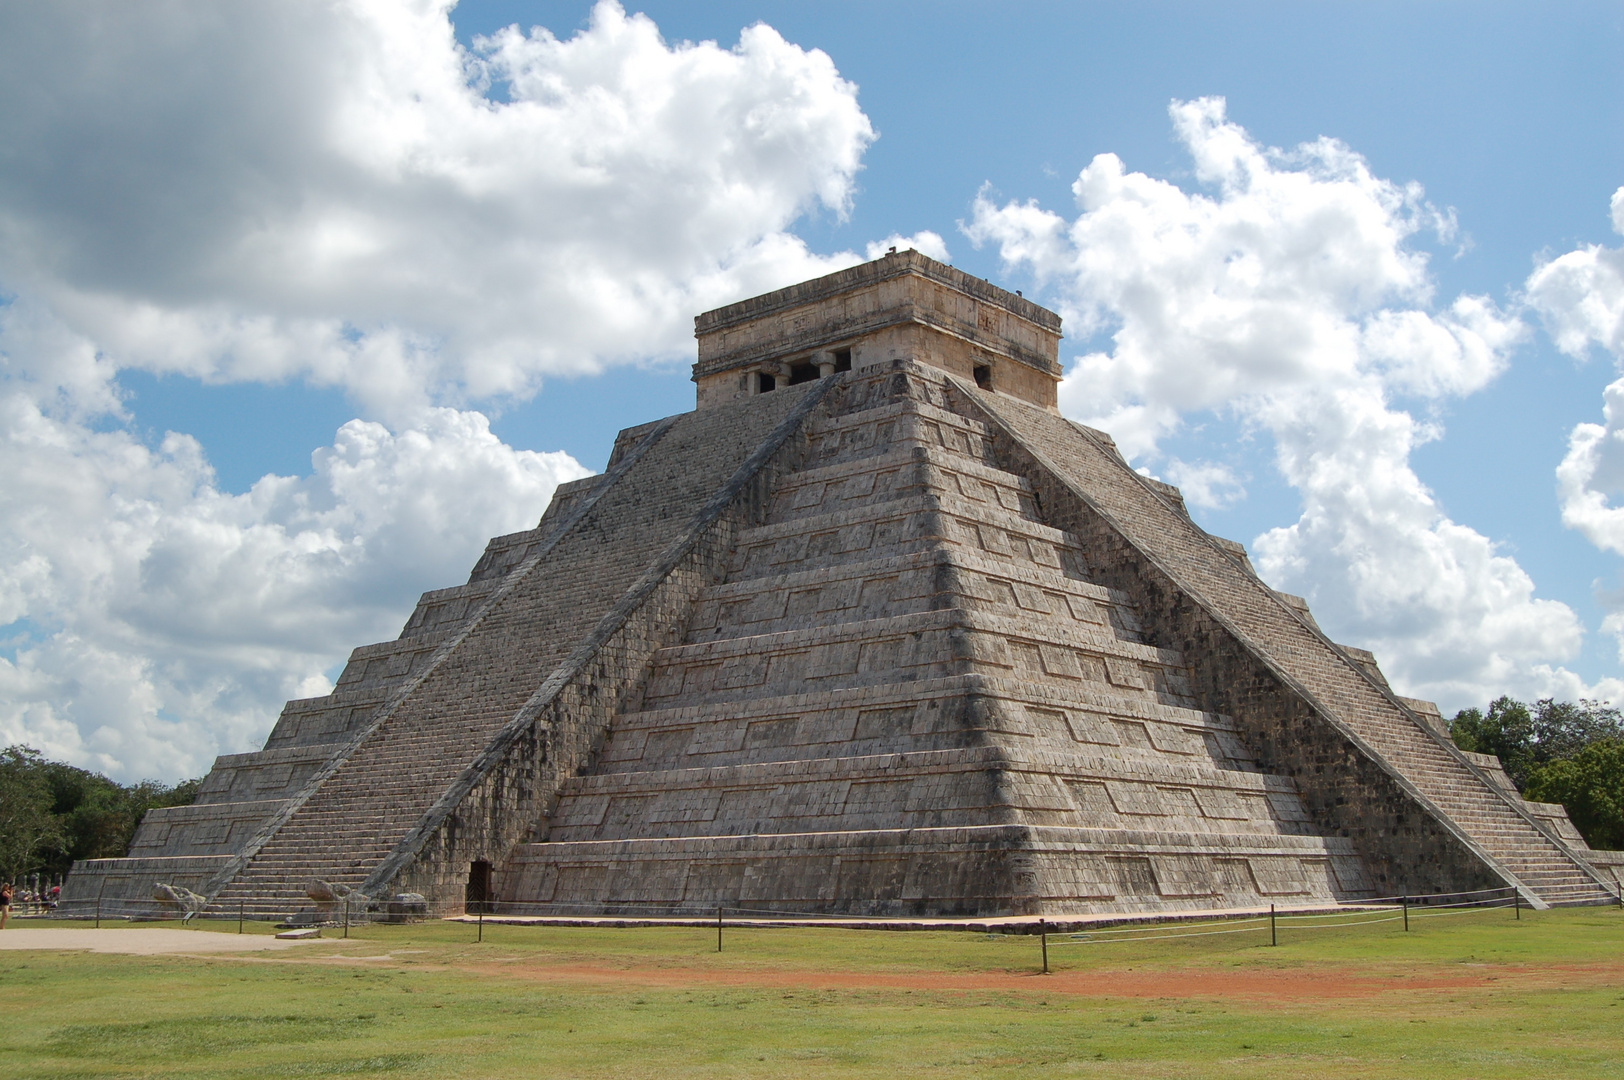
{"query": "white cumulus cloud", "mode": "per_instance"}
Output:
(1580, 297)
(925, 242)
(1208, 484)
(154, 620)
(337, 191)
(1288, 293)
(341, 192)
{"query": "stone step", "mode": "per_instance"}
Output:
(1057, 766)
(969, 514)
(931, 578)
(1071, 721)
(871, 430)
(1094, 475)
(906, 469)
(936, 866)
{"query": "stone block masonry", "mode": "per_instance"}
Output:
(908, 696)
(1427, 818)
(873, 631)
(904, 306)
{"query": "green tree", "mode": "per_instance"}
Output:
(1506, 731)
(98, 816)
(1590, 785)
(1562, 729)
(1526, 739)
(52, 813)
(27, 826)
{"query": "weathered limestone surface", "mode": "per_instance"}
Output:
(902, 307)
(1424, 816)
(1554, 816)
(908, 696)
(881, 633)
(407, 720)
(382, 788)
(245, 791)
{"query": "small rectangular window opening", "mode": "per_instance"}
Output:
(983, 373)
(768, 383)
(801, 373)
(842, 360)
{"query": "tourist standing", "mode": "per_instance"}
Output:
(5, 902)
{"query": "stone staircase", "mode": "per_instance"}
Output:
(860, 635)
(534, 612)
(1454, 789)
(907, 695)
(920, 684)
(1485, 814)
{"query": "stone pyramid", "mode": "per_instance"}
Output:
(873, 630)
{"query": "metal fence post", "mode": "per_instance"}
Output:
(1273, 940)
(1043, 931)
(481, 922)
(1405, 900)
(718, 927)
(346, 916)
(242, 906)
(1516, 903)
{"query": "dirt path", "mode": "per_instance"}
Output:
(1274, 985)
(143, 941)
(1300, 984)
(1282, 986)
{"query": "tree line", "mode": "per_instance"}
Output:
(52, 813)
(1557, 752)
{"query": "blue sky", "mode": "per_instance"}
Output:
(155, 212)
(1511, 114)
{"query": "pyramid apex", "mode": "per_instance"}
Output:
(903, 306)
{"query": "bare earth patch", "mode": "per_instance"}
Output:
(142, 941)
(1478, 998)
(1290, 985)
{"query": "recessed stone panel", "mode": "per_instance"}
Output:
(889, 678)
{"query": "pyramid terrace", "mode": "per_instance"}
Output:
(873, 630)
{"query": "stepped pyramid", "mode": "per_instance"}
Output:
(873, 630)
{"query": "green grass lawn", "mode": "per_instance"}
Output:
(1473, 995)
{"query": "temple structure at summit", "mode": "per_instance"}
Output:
(872, 630)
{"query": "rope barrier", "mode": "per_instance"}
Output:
(345, 912)
(1438, 913)
(340, 913)
(244, 910)
(1083, 937)
(1363, 909)
(1361, 922)
(1146, 929)
(1333, 920)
